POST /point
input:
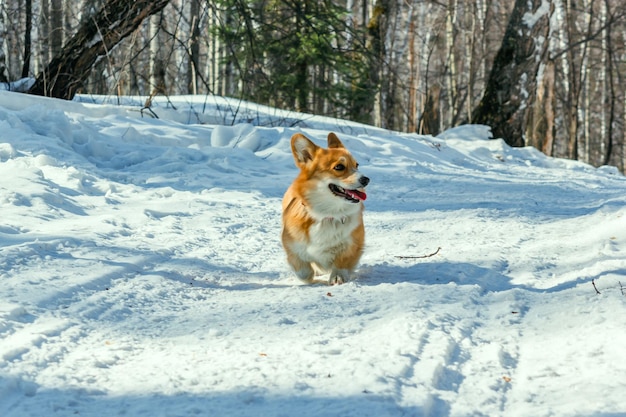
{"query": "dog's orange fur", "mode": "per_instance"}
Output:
(323, 211)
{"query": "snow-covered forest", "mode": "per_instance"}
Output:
(141, 264)
(546, 73)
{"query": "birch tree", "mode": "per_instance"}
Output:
(193, 66)
(3, 57)
(451, 78)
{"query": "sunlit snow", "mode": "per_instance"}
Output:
(142, 272)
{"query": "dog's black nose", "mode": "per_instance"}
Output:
(364, 181)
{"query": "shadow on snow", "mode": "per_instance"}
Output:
(29, 399)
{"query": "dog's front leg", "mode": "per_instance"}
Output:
(306, 273)
(303, 269)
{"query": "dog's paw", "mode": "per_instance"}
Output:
(338, 277)
(306, 275)
(336, 280)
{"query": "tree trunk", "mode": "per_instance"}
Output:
(451, 77)
(44, 31)
(504, 105)
(302, 82)
(431, 117)
(117, 19)
(3, 57)
(540, 124)
(27, 38)
(607, 51)
(56, 27)
(587, 94)
(574, 76)
(157, 61)
(194, 47)
(412, 120)
(366, 106)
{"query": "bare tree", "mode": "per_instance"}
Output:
(514, 73)
(117, 19)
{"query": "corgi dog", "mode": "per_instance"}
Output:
(323, 229)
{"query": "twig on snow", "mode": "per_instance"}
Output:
(419, 257)
(593, 282)
(149, 110)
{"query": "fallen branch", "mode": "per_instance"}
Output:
(421, 256)
(593, 282)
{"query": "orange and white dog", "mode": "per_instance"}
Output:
(323, 211)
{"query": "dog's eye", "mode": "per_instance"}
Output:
(357, 165)
(339, 167)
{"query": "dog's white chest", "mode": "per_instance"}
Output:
(327, 238)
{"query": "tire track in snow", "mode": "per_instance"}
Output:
(30, 344)
(437, 365)
(491, 355)
(451, 351)
(23, 332)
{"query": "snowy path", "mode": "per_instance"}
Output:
(143, 275)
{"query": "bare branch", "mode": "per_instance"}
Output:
(421, 256)
(593, 282)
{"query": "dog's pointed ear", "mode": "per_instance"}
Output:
(303, 149)
(333, 141)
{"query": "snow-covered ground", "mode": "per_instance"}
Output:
(142, 274)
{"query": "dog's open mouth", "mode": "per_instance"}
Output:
(353, 196)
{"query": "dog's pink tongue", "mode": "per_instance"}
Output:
(357, 195)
